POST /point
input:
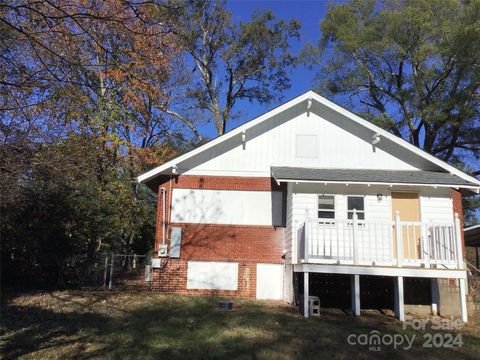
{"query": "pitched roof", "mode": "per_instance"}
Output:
(166, 169)
(369, 176)
(472, 235)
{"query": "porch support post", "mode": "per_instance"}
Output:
(435, 297)
(305, 294)
(355, 292)
(463, 300)
(399, 301)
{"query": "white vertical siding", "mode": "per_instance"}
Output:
(339, 144)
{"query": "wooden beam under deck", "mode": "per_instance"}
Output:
(381, 271)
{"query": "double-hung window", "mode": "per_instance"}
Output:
(357, 203)
(326, 207)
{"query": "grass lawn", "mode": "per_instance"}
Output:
(149, 325)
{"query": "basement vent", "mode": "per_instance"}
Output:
(306, 146)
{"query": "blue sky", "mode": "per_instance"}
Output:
(309, 13)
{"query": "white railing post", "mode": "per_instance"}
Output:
(458, 242)
(306, 230)
(399, 238)
(355, 237)
(427, 243)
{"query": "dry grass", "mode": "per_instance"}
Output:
(149, 325)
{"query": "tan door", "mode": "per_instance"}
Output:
(408, 206)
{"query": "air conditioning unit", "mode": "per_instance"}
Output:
(163, 250)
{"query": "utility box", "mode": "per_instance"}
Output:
(163, 250)
(175, 242)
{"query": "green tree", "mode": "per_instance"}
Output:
(71, 206)
(248, 60)
(410, 66)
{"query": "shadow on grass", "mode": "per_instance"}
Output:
(156, 326)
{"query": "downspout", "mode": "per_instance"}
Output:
(167, 215)
(173, 174)
(171, 198)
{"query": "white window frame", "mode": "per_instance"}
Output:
(318, 209)
(364, 211)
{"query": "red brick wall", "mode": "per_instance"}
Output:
(247, 245)
(226, 183)
(457, 208)
(208, 183)
(173, 278)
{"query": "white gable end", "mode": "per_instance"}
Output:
(302, 140)
(324, 136)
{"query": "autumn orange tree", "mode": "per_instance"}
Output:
(80, 86)
(92, 93)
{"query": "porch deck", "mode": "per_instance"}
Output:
(384, 248)
(359, 242)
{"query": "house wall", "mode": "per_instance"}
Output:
(435, 204)
(244, 244)
(228, 206)
(248, 244)
(298, 138)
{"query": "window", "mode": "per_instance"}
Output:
(357, 203)
(326, 207)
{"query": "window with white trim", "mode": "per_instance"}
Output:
(357, 203)
(326, 207)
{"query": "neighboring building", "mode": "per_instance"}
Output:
(310, 198)
(472, 241)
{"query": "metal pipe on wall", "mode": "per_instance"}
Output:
(164, 215)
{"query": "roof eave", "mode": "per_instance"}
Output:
(473, 188)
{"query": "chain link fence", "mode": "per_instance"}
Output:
(127, 272)
(117, 271)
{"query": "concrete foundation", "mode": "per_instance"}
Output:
(449, 297)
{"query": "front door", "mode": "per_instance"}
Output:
(408, 206)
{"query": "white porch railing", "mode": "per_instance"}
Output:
(375, 243)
